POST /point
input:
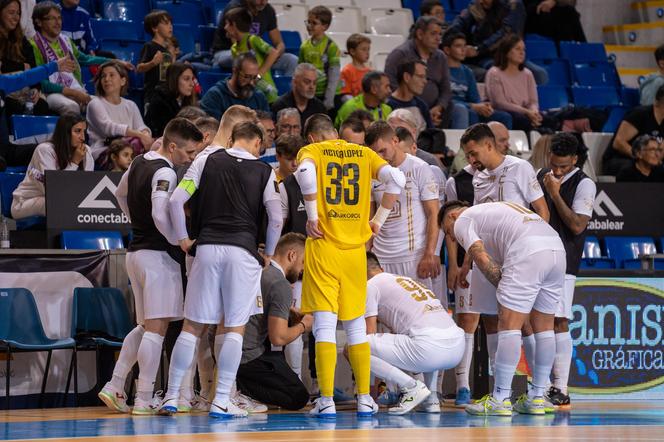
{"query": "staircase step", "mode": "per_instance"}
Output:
(648, 11)
(627, 56)
(635, 34)
(631, 77)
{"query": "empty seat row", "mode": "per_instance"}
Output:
(620, 252)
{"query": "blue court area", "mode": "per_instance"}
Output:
(606, 415)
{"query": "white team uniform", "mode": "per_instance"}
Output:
(514, 181)
(439, 283)
(424, 337)
(225, 279)
(529, 251)
(401, 241)
(156, 280)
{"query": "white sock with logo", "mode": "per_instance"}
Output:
(149, 357)
(545, 352)
(128, 357)
(462, 370)
(228, 362)
(182, 359)
(508, 353)
(562, 361)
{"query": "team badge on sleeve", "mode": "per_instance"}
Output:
(163, 185)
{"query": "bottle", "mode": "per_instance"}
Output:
(29, 108)
(4, 233)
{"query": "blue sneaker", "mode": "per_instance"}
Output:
(462, 397)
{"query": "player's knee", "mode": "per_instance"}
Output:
(356, 331)
(325, 327)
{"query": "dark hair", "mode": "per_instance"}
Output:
(659, 53)
(423, 24)
(173, 74)
(361, 114)
(659, 95)
(408, 67)
(41, 10)
(371, 78)
(207, 124)
(290, 240)
(354, 40)
(373, 261)
(404, 135)
(477, 132)
(180, 130)
(117, 146)
(289, 145)
(433, 140)
(322, 13)
(451, 36)
(564, 144)
(11, 42)
(263, 115)
(61, 138)
(240, 17)
(354, 124)
(448, 206)
(427, 6)
(246, 130)
(154, 18)
(641, 142)
(238, 62)
(504, 47)
(122, 72)
(378, 130)
(318, 124)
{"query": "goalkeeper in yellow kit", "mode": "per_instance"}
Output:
(335, 179)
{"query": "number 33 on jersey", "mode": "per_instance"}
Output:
(344, 172)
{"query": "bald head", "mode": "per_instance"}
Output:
(502, 136)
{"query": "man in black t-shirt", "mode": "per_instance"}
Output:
(263, 20)
(647, 164)
(642, 120)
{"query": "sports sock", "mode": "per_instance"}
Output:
(562, 361)
(227, 365)
(507, 357)
(529, 349)
(149, 357)
(205, 367)
(390, 373)
(545, 352)
(462, 370)
(128, 357)
(431, 381)
(187, 386)
(326, 363)
(359, 356)
(491, 347)
(181, 359)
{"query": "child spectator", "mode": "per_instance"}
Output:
(322, 52)
(359, 47)
(121, 153)
(155, 56)
(237, 25)
(652, 82)
(76, 25)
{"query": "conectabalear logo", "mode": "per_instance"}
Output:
(342, 215)
(617, 335)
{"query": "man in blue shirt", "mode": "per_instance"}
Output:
(76, 25)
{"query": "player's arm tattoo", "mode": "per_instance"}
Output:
(486, 264)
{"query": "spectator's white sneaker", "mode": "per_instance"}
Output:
(113, 398)
(248, 404)
(411, 398)
(324, 408)
(229, 411)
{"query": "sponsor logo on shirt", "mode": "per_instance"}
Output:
(333, 214)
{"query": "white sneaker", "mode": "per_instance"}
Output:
(113, 398)
(410, 398)
(366, 406)
(150, 407)
(229, 411)
(248, 404)
(430, 405)
(324, 409)
(168, 407)
(192, 405)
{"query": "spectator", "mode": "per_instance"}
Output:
(155, 55)
(468, 106)
(27, 6)
(404, 118)
(65, 91)
(353, 131)
(642, 120)
(423, 45)
(648, 87)
(539, 158)
(376, 88)
(485, 23)
(510, 86)
(324, 54)
(412, 77)
(647, 164)
(264, 375)
(76, 25)
(121, 153)
(110, 116)
(432, 8)
(268, 151)
(302, 95)
(289, 122)
(208, 127)
(264, 20)
(168, 99)
(359, 48)
(287, 147)
(556, 19)
(239, 89)
(237, 26)
(65, 151)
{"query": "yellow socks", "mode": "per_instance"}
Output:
(360, 361)
(326, 362)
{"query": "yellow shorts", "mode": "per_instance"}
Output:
(335, 280)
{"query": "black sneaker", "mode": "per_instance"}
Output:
(558, 398)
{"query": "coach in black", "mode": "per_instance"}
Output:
(570, 195)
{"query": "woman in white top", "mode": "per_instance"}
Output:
(110, 116)
(66, 151)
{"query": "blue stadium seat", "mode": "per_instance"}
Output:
(16, 169)
(596, 74)
(134, 10)
(292, 41)
(457, 5)
(595, 96)
(117, 29)
(206, 34)
(91, 240)
(128, 50)
(583, 52)
(208, 79)
(186, 38)
(625, 248)
(185, 12)
(558, 70)
(414, 5)
(615, 117)
(552, 97)
(541, 49)
(283, 83)
(592, 256)
(218, 7)
(535, 37)
(630, 97)
(31, 125)
(8, 183)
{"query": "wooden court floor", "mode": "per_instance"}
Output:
(598, 421)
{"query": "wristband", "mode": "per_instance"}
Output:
(312, 210)
(381, 216)
(304, 327)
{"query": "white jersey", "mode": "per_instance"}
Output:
(450, 185)
(508, 231)
(403, 305)
(514, 181)
(403, 236)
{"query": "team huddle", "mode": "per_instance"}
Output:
(375, 228)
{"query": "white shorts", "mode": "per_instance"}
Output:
(439, 287)
(297, 294)
(409, 270)
(188, 262)
(156, 281)
(535, 282)
(427, 350)
(225, 282)
(566, 301)
(482, 297)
